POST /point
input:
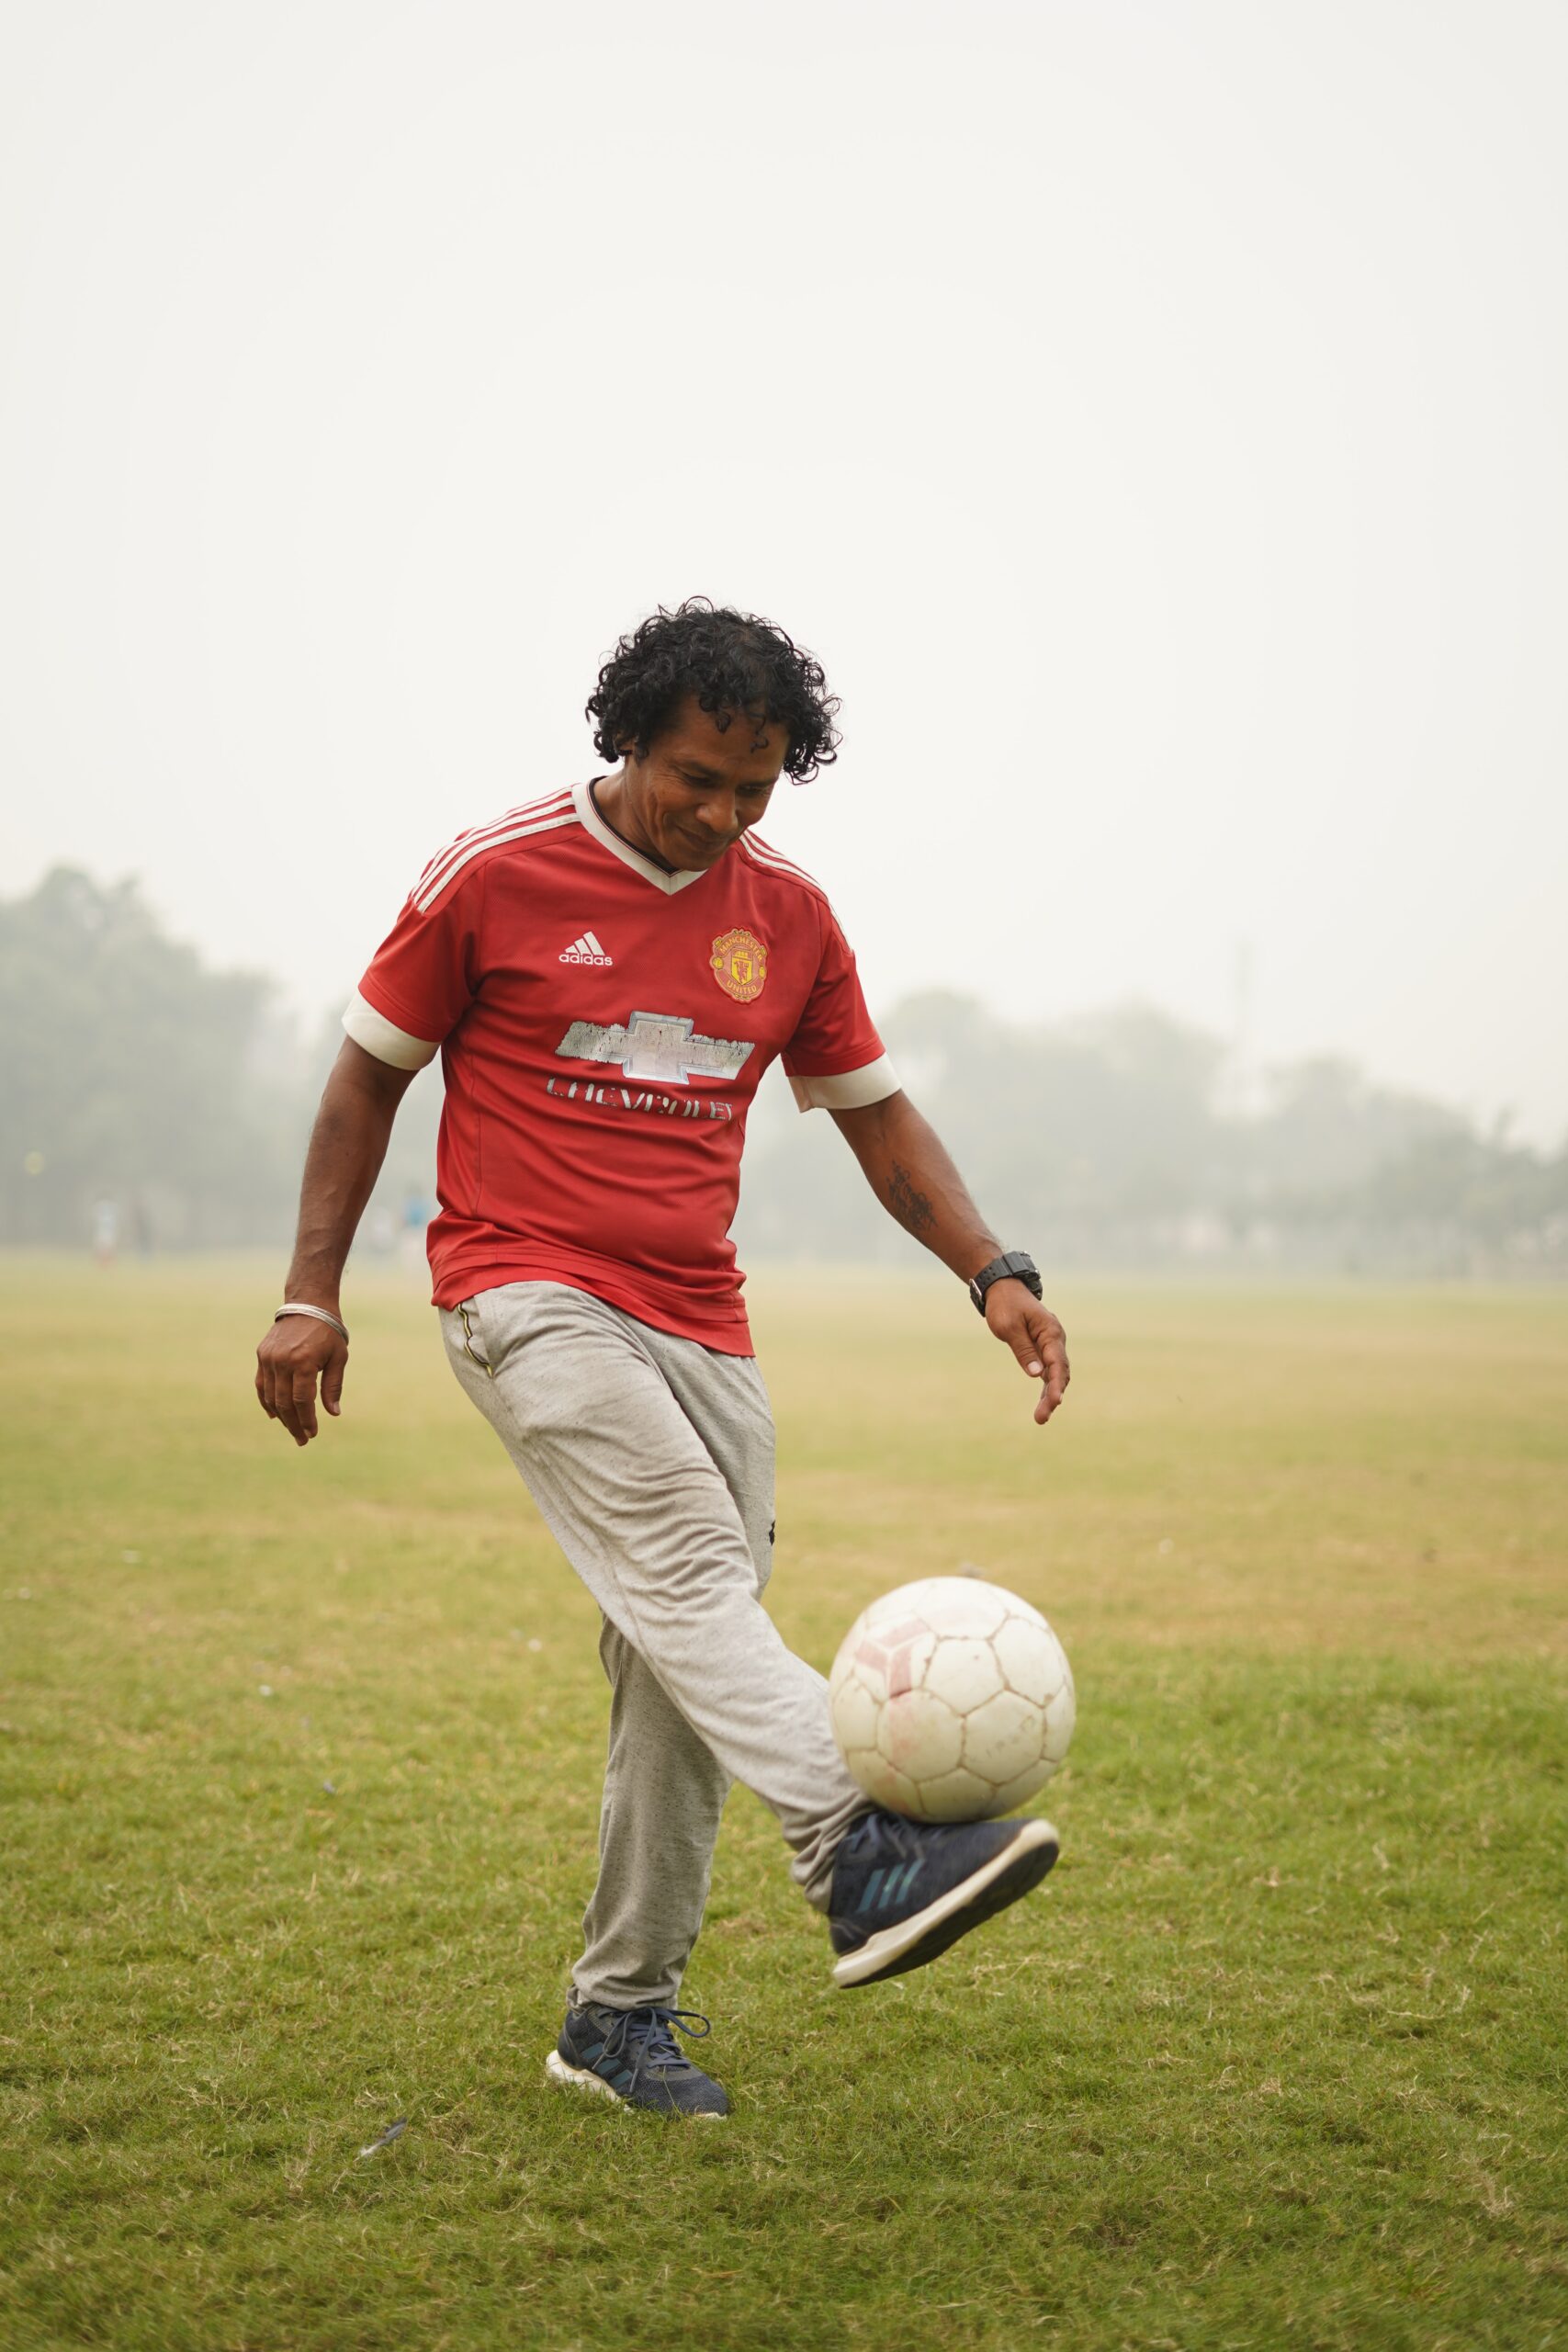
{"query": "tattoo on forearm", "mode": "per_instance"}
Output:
(909, 1205)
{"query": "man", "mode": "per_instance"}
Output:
(606, 972)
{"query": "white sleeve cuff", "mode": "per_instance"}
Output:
(852, 1090)
(384, 1039)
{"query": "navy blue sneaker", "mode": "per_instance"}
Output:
(631, 2056)
(903, 1891)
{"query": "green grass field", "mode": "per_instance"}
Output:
(300, 1758)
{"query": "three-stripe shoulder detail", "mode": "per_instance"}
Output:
(762, 854)
(542, 816)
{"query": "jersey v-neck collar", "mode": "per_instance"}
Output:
(608, 837)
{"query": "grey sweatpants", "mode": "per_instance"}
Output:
(651, 1461)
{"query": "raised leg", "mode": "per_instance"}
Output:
(618, 1431)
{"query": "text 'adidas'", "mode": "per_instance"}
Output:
(585, 950)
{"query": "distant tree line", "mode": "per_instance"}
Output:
(143, 1095)
(1117, 1140)
(135, 1079)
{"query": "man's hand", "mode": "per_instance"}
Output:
(348, 1144)
(296, 1352)
(1017, 1319)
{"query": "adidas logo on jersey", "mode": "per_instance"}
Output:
(585, 950)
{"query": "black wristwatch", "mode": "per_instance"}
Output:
(1016, 1266)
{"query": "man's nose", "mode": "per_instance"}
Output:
(716, 816)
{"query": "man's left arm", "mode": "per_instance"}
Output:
(908, 1168)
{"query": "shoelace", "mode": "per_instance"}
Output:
(643, 2038)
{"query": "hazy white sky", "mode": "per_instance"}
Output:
(1156, 416)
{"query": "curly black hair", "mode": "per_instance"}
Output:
(734, 663)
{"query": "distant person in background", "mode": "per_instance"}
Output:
(607, 971)
(416, 1221)
(106, 1231)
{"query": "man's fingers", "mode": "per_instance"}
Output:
(1040, 1346)
(287, 1364)
(1059, 1372)
(1055, 1369)
(284, 1411)
(302, 1395)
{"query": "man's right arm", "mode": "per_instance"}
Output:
(348, 1144)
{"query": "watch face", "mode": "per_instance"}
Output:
(1013, 1265)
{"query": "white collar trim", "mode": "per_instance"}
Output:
(668, 883)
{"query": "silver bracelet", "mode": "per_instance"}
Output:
(317, 1314)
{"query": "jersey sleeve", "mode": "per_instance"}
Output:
(835, 1061)
(422, 978)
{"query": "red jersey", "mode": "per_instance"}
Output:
(603, 1025)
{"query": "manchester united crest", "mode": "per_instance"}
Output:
(739, 963)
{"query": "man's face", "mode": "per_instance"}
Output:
(702, 785)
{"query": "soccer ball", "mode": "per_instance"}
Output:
(952, 1700)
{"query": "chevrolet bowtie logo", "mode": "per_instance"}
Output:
(658, 1047)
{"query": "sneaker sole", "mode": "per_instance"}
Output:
(1009, 1874)
(579, 2078)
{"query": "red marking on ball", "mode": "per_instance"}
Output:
(891, 1653)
